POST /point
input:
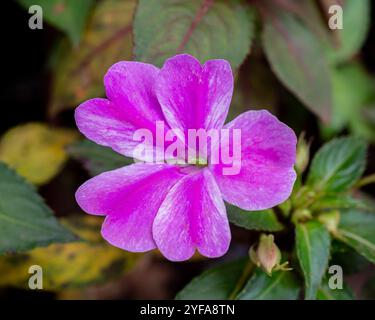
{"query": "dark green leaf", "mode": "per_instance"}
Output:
(204, 28)
(312, 244)
(265, 220)
(282, 285)
(67, 15)
(354, 92)
(95, 158)
(347, 258)
(25, 220)
(340, 201)
(338, 165)
(357, 230)
(308, 12)
(297, 58)
(217, 283)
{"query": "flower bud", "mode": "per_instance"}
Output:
(253, 256)
(301, 215)
(330, 220)
(303, 153)
(267, 255)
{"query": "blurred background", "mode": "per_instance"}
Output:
(48, 72)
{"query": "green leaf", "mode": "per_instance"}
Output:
(214, 284)
(312, 245)
(356, 23)
(282, 285)
(340, 201)
(338, 165)
(71, 265)
(25, 220)
(204, 28)
(347, 258)
(264, 220)
(353, 94)
(95, 158)
(79, 72)
(325, 293)
(297, 57)
(357, 230)
(67, 15)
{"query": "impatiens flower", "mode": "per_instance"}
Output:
(180, 208)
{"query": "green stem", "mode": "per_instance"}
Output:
(365, 181)
(242, 280)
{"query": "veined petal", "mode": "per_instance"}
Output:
(102, 121)
(131, 86)
(268, 153)
(131, 105)
(193, 96)
(191, 217)
(130, 197)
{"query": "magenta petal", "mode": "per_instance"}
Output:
(131, 86)
(192, 216)
(131, 105)
(268, 153)
(103, 122)
(193, 96)
(130, 197)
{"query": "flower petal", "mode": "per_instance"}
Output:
(132, 105)
(102, 121)
(192, 216)
(130, 197)
(193, 96)
(131, 86)
(268, 153)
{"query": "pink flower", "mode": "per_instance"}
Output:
(165, 206)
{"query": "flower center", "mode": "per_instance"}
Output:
(198, 162)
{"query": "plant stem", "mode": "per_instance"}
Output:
(242, 280)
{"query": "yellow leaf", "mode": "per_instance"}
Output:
(36, 151)
(70, 265)
(80, 70)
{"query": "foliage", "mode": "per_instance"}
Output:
(312, 62)
(80, 70)
(96, 159)
(66, 15)
(36, 151)
(70, 265)
(183, 26)
(285, 59)
(335, 168)
(26, 221)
